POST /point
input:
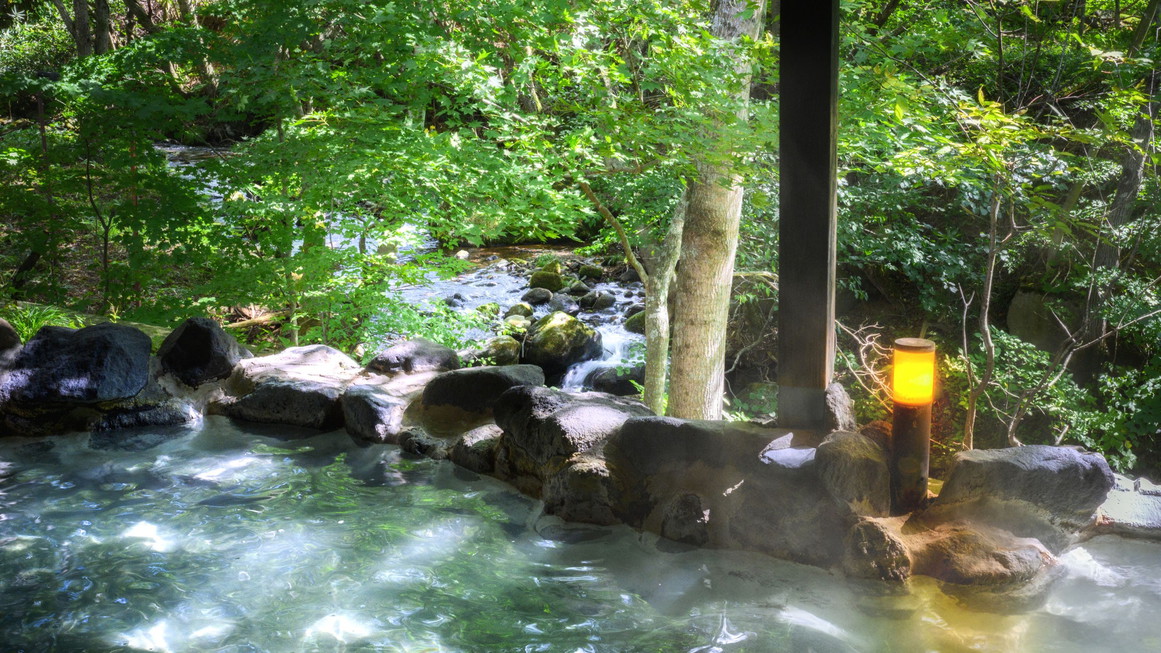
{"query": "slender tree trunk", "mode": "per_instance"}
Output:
(82, 32)
(708, 245)
(102, 28)
(979, 386)
(663, 264)
(1108, 253)
(1146, 24)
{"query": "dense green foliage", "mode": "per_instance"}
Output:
(982, 146)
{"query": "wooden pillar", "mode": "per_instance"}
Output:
(806, 249)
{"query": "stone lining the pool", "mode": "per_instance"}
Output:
(822, 499)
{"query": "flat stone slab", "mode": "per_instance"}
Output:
(1132, 514)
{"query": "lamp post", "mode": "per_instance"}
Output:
(913, 388)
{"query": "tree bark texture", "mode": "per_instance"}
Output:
(708, 245)
(663, 263)
(1108, 253)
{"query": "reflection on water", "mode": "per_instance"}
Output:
(222, 539)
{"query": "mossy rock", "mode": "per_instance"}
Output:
(636, 323)
(553, 266)
(502, 350)
(559, 340)
(523, 309)
(518, 322)
(491, 309)
(588, 271)
(547, 280)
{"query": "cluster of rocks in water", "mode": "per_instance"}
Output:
(816, 498)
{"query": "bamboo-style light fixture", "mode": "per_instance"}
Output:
(913, 390)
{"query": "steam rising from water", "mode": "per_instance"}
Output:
(223, 539)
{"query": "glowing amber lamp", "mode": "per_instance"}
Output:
(913, 385)
(913, 382)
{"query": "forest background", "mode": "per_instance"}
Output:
(998, 187)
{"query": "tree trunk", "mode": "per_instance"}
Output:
(1108, 253)
(1142, 31)
(82, 34)
(102, 27)
(707, 253)
(663, 264)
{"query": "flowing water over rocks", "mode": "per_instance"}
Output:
(235, 539)
(504, 281)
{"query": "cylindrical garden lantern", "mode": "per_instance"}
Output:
(913, 389)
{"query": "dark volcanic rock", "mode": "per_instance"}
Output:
(372, 415)
(297, 402)
(457, 401)
(415, 355)
(476, 449)
(544, 428)
(101, 363)
(299, 386)
(616, 380)
(537, 296)
(854, 469)
(1050, 493)
(564, 304)
(9, 339)
(758, 486)
(874, 550)
(840, 410)
(199, 351)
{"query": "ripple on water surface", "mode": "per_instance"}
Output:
(226, 539)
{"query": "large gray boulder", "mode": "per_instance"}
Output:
(729, 485)
(101, 363)
(374, 406)
(415, 355)
(545, 428)
(457, 401)
(1046, 492)
(557, 341)
(99, 378)
(371, 415)
(199, 351)
(299, 386)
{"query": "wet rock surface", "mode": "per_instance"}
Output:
(460, 400)
(557, 341)
(544, 428)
